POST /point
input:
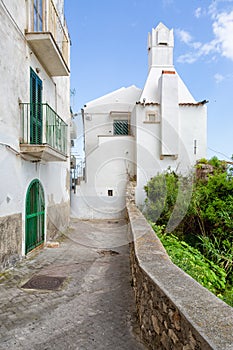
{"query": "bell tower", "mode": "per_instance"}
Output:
(160, 47)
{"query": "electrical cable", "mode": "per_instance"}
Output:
(213, 150)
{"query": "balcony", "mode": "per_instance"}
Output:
(43, 133)
(48, 37)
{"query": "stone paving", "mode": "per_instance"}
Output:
(94, 308)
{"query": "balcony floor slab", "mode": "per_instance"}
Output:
(41, 152)
(48, 53)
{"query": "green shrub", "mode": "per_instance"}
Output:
(202, 221)
(161, 193)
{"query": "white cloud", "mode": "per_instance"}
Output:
(218, 78)
(215, 7)
(223, 30)
(208, 48)
(197, 12)
(222, 27)
(184, 36)
(187, 58)
(196, 45)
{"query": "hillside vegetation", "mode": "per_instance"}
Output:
(193, 217)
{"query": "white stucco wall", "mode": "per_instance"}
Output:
(169, 114)
(16, 60)
(108, 167)
(152, 89)
(110, 159)
(192, 126)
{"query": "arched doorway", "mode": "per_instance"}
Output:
(35, 213)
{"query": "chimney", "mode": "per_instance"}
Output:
(160, 47)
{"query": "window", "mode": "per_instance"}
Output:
(152, 117)
(38, 16)
(120, 127)
(110, 193)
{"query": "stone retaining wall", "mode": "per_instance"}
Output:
(174, 311)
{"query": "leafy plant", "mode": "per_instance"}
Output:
(194, 263)
(161, 193)
(221, 252)
(207, 223)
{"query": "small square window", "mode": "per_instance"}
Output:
(152, 117)
(110, 193)
(120, 127)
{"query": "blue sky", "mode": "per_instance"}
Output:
(109, 50)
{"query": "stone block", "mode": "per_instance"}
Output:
(192, 341)
(165, 341)
(164, 307)
(176, 320)
(50, 244)
(155, 324)
(173, 336)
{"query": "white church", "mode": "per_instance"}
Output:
(136, 134)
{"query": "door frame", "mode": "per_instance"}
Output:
(34, 216)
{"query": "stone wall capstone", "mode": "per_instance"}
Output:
(174, 311)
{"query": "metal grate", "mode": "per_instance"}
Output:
(44, 283)
(121, 127)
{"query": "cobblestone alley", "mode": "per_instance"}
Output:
(94, 306)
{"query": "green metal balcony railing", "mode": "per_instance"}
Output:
(41, 125)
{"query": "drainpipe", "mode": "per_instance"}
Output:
(84, 146)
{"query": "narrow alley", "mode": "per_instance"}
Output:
(94, 306)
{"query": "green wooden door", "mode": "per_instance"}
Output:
(35, 212)
(36, 115)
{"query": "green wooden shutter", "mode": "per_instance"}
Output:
(39, 111)
(36, 115)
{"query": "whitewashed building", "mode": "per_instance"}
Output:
(133, 133)
(34, 125)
